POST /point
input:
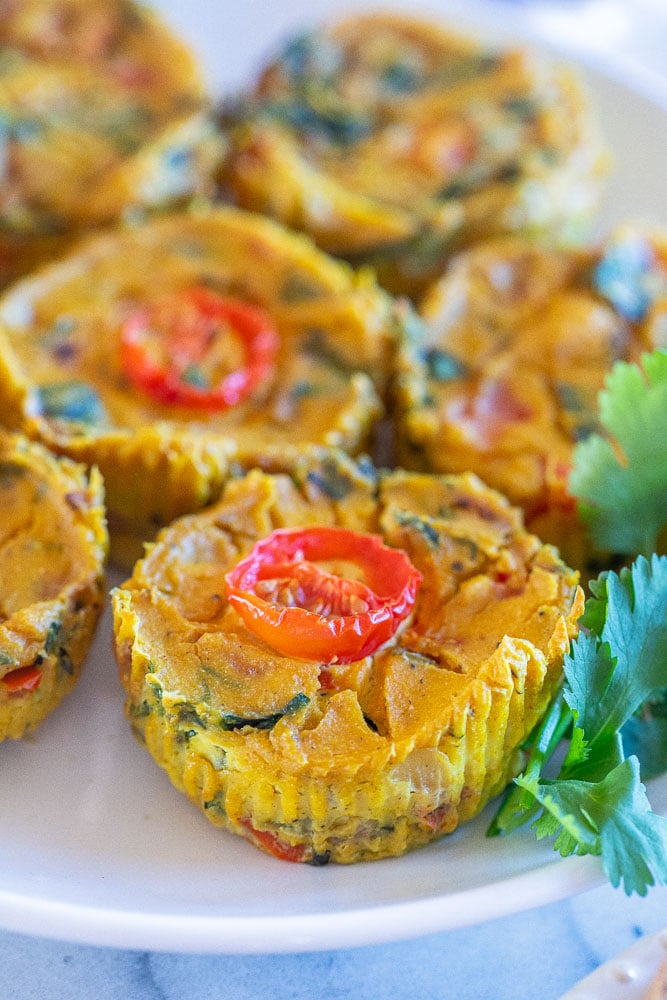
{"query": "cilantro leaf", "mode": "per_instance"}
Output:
(611, 818)
(609, 676)
(621, 481)
(597, 804)
(646, 738)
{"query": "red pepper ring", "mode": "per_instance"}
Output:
(163, 348)
(22, 679)
(302, 610)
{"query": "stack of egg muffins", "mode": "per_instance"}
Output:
(312, 366)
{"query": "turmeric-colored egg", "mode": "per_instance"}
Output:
(355, 760)
(53, 545)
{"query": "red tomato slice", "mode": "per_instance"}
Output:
(22, 679)
(199, 349)
(301, 609)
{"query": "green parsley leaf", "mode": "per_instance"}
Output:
(621, 481)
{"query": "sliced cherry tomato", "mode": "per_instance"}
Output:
(199, 349)
(22, 679)
(304, 610)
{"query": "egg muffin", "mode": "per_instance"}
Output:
(393, 142)
(341, 664)
(518, 341)
(164, 352)
(53, 545)
(103, 113)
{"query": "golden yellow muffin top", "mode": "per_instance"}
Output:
(393, 141)
(490, 594)
(80, 339)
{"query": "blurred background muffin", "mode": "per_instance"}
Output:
(102, 112)
(394, 142)
(518, 341)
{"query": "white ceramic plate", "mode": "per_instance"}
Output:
(628, 976)
(95, 844)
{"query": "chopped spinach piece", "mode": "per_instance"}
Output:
(54, 638)
(193, 375)
(177, 158)
(319, 859)
(56, 340)
(508, 173)
(457, 189)
(441, 365)
(65, 663)
(524, 108)
(331, 480)
(422, 525)
(308, 55)
(10, 472)
(140, 711)
(570, 398)
(71, 401)
(299, 287)
(54, 646)
(303, 390)
(188, 716)
(19, 129)
(401, 78)
(267, 721)
(458, 68)
(624, 277)
(339, 126)
(317, 347)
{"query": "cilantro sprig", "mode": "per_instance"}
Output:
(611, 709)
(620, 480)
(596, 803)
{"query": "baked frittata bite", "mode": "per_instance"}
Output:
(341, 664)
(163, 352)
(103, 112)
(53, 546)
(394, 142)
(518, 341)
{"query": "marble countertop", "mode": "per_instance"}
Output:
(540, 952)
(537, 954)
